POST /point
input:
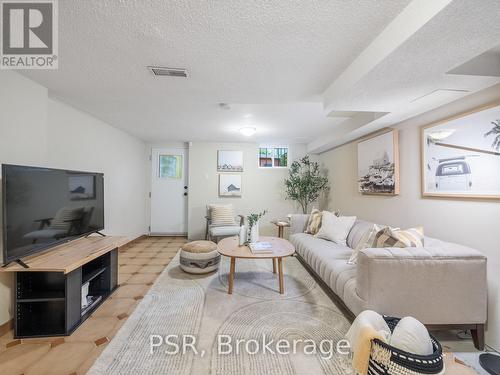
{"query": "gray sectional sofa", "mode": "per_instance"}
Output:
(442, 284)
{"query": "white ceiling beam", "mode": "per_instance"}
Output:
(415, 16)
(408, 22)
(360, 119)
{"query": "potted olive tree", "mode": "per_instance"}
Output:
(305, 183)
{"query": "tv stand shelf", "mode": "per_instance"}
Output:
(48, 294)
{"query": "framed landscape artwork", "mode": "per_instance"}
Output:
(229, 185)
(461, 155)
(378, 164)
(229, 161)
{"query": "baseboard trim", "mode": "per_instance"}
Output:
(6, 327)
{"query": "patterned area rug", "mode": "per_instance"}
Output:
(255, 315)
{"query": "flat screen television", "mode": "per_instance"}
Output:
(43, 207)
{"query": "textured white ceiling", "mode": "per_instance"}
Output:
(269, 59)
(458, 32)
(320, 72)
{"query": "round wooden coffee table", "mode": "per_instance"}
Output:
(281, 248)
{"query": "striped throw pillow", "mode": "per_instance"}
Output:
(394, 237)
(366, 242)
(222, 214)
(314, 222)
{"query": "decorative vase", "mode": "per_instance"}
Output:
(243, 235)
(254, 232)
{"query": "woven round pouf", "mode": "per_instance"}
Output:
(199, 257)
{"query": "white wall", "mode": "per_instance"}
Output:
(262, 189)
(37, 130)
(473, 223)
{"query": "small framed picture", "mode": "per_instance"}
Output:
(229, 161)
(229, 185)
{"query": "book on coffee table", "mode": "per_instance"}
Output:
(261, 247)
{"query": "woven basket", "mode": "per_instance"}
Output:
(387, 360)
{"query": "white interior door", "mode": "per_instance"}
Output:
(169, 191)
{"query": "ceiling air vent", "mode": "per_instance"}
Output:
(169, 72)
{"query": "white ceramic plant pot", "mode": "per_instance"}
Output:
(254, 233)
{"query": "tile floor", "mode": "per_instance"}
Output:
(140, 264)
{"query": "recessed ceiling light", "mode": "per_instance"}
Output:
(248, 131)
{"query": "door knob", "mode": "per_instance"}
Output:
(185, 194)
(185, 187)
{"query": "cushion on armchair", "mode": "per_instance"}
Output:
(221, 214)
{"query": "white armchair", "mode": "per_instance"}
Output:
(214, 231)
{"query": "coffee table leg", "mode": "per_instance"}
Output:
(274, 265)
(231, 275)
(280, 270)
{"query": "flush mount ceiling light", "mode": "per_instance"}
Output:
(168, 72)
(247, 131)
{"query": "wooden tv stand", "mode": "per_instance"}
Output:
(48, 294)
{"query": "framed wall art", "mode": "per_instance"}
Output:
(378, 164)
(229, 161)
(460, 156)
(229, 185)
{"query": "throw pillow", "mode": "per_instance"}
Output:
(335, 228)
(411, 336)
(412, 237)
(314, 222)
(393, 237)
(366, 242)
(222, 214)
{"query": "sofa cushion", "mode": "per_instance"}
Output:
(305, 243)
(327, 259)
